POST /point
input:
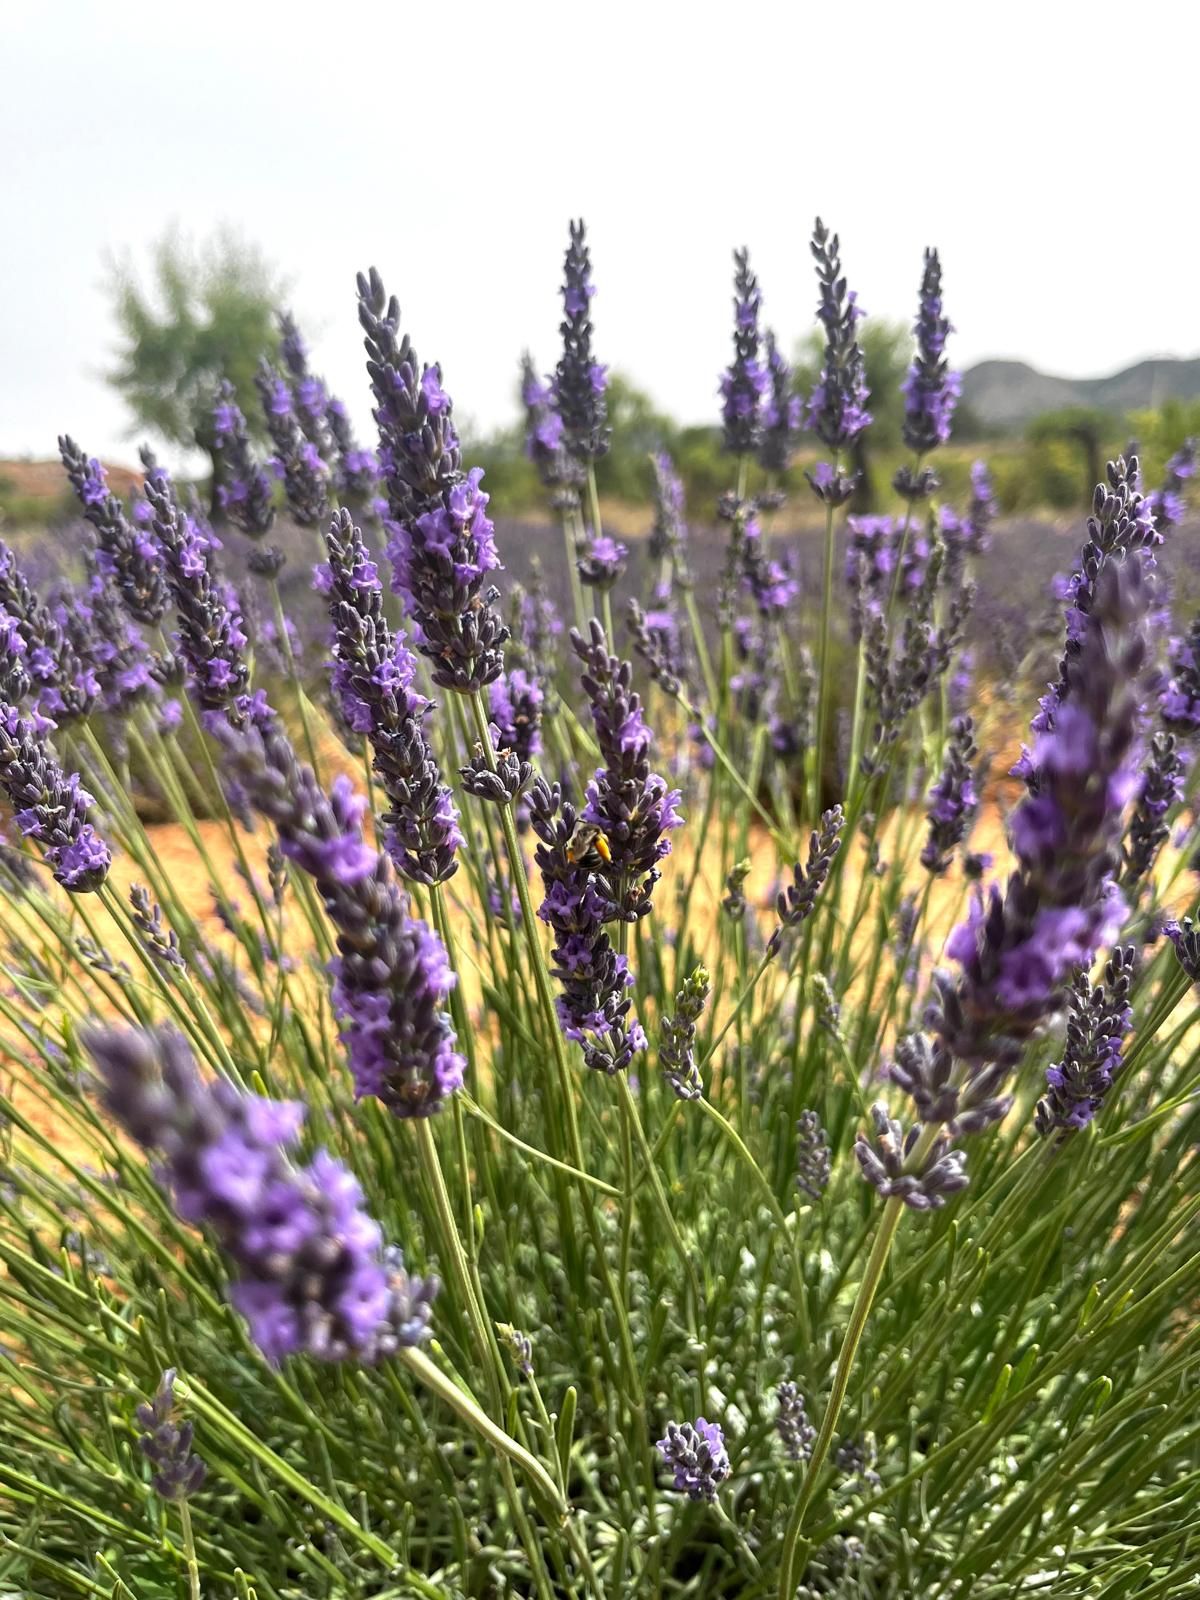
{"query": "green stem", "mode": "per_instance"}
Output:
(189, 1551)
(823, 663)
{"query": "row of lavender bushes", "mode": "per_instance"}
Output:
(620, 1133)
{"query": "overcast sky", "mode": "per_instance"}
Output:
(1048, 149)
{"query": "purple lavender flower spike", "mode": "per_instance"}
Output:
(124, 553)
(544, 444)
(796, 1432)
(677, 1045)
(669, 536)
(633, 807)
(50, 806)
(782, 413)
(391, 975)
(696, 1454)
(1179, 702)
(297, 461)
(1159, 791)
(167, 1444)
(746, 382)
(312, 1274)
(579, 380)
(930, 389)
(594, 1007)
(516, 700)
(442, 544)
(211, 640)
(952, 800)
(373, 672)
(1166, 503)
(837, 409)
(310, 400)
(796, 904)
(64, 686)
(243, 487)
(1099, 1018)
(602, 562)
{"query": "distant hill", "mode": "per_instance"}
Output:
(1006, 394)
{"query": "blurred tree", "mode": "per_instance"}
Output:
(638, 428)
(1083, 426)
(210, 315)
(887, 348)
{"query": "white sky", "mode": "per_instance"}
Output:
(1048, 149)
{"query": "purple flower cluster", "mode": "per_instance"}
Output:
(594, 1008)
(516, 700)
(669, 536)
(312, 1274)
(63, 684)
(1019, 948)
(696, 1454)
(796, 903)
(544, 437)
(837, 408)
(632, 806)
(442, 542)
(1099, 1017)
(771, 584)
(602, 562)
(167, 1444)
(953, 800)
(373, 672)
(746, 382)
(796, 1432)
(579, 380)
(930, 389)
(297, 461)
(966, 536)
(875, 547)
(243, 488)
(1179, 703)
(392, 974)
(782, 412)
(1166, 503)
(211, 639)
(1159, 791)
(1121, 522)
(123, 553)
(48, 805)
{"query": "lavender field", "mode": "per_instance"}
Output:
(645, 1052)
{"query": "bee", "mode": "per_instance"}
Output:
(587, 840)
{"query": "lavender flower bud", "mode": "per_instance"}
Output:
(857, 1458)
(310, 399)
(796, 904)
(373, 673)
(782, 413)
(836, 410)
(211, 639)
(696, 1454)
(243, 488)
(813, 1167)
(391, 975)
(734, 901)
(884, 1161)
(1185, 936)
(297, 460)
(443, 544)
(501, 784)
(796, 1433)
(1098, 1019)
(651, 646)
(1160, 790)
(915, 484)
(160, 941)
(677, 1044)
(831, 486)
(579, 381)
(544, 436)
(50, 807)
(594, 1008)
(631, 805)
(311, 1273)
(825, 1005)
(124, 553)
(669, 536)
(167, 1444)
(930, 390)
(952, 800)
(746, 381)
(519, 1346)
(65, 687)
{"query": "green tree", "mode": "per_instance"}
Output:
(887, 348)
(1082, 426)
(208, 315)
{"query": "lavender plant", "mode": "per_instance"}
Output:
(861, 1259)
